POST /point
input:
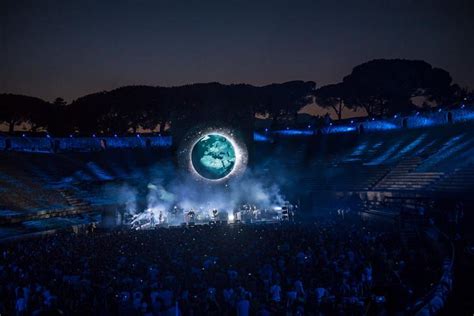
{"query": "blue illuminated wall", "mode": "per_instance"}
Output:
(40, 144)
(50, 144)
(436, 117)
(259, 137)
(339, 129)
(463, 115)
(294, 132)
(417, 120)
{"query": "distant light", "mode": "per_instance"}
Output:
(417, 113)
(395, 116)
(47, 135)
(93, 135)
(352, 121)
(309, 126)
(70, 135)
(115, 135)
(266, 129)
(287, 127)
(462, 106)
(330, 124)
(373, 119)
(439, 110)
(231, 217)
(259, 137)
(138, 135)
(23, 135)
(159, 134)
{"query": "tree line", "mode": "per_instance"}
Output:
(129, 108)
(385, 87)
(380, 87)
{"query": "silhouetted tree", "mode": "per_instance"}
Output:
(286, 99)
(454, 95)
(122, 110)
(17, 109)
(59, 102)
(209, 103)
(332, 97)
(86, 111)
(59, 118)
(383, 87)
(133, 105)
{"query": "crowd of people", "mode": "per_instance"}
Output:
(327, 267)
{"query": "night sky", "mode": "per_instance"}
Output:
(67, 49)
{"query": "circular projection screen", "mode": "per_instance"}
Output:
(213, 154)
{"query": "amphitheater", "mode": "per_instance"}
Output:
(386, 171)
(48, 183)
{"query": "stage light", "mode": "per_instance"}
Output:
(231, 217)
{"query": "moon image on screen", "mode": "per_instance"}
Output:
(213, 156)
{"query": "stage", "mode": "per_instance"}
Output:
(177, 216)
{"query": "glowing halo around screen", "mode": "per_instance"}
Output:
(213, 154)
